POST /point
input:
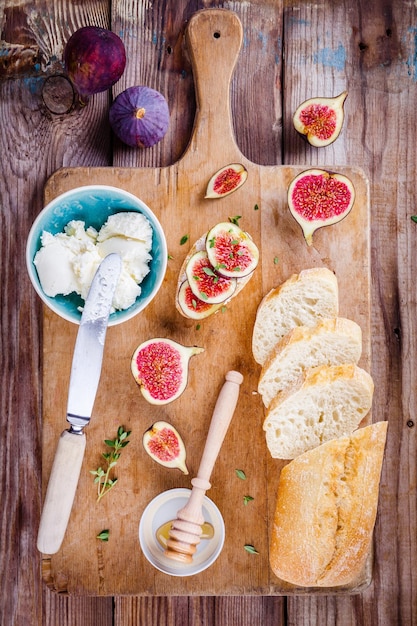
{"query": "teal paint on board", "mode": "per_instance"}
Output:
(412, 57)
(331, 57)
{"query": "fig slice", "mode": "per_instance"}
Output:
(164, 445)
(318, 198)
(160, 367)
(192, 306)
(205, 282)
(226, 180)
(320, 120)
(231, 251)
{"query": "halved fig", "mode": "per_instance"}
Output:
(160, 367)
(318, 198)
(226, 180)
(164, 445)
(231, 251)
(320, 120)
(192, 306)
(205, 282)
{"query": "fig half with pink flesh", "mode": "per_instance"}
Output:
(318, 198)
(226, 180)
(320, 120)
(164, 445)
(161, 367)
(205, 283)
(192, 306)
(231, 251)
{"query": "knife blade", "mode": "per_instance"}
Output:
(84, 380)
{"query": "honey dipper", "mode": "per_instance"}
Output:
(186, 530)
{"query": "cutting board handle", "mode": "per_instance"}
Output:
(214, 38)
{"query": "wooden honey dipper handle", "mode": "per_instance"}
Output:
(186, 529)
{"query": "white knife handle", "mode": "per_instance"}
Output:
(61, 491)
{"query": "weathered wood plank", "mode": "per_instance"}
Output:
(166, 53)
(242, 610)
(61, 610)
(34, 142)
(370, 51)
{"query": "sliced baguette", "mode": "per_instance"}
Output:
(326, 402)
(301, 300)
(329, 342)
(325, 511)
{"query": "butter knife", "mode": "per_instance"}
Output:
(84, 381)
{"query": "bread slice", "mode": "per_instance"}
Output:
(326, 402)
(300, 301)
(325, 511)
(330, 342)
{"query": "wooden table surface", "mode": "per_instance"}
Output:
(292, 50)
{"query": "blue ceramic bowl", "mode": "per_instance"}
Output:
(93, 204)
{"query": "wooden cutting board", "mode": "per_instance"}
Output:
(85, 565)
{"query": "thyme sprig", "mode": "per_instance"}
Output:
(102, 476)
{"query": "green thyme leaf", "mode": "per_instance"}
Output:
(184, 239)
(250, 549)
(256, 207)
(104, 535)
(247, 499)
(240, 474)
(235, 219)
(276, 260)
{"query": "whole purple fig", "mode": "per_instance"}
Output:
(95, 58)
(139, 116)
